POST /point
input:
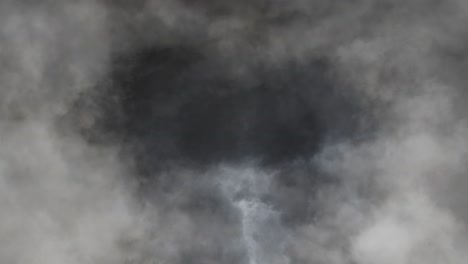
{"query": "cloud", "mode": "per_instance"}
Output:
(232, 132)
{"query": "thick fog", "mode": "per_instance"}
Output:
(233, 132)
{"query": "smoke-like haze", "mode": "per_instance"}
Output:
(217, 131)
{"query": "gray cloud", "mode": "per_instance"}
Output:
(233, 132)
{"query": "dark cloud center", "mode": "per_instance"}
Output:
(184, 104)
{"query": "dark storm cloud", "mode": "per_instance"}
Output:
(210, 131)
(185, 103)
